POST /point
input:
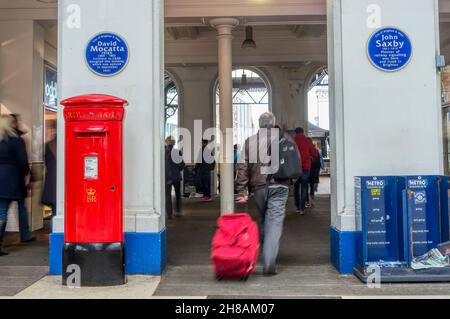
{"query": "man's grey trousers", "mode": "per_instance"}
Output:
(271, 204)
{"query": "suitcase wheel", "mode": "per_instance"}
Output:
(219, 278)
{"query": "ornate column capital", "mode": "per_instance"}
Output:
(224, 26)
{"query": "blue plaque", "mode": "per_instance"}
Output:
(389, 49)
(107, 54)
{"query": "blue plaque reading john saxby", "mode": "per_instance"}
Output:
(107, 54)
(389, 49)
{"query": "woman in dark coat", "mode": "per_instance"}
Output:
(13, 171)
(24, 227)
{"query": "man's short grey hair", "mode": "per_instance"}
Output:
(267, 120)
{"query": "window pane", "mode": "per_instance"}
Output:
(250, 101)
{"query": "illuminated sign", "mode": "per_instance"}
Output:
(50, 88)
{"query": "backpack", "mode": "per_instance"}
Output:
(235, 247)
(290, 164)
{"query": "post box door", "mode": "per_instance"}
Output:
(94, 175)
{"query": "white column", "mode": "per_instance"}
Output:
(224, 28)
(141, 83)
(382, 123)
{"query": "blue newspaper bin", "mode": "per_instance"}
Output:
(379, 221)
(422, 215)
(445, 211)
(398, 219)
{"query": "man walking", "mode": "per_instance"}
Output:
(308, 154)
(270, 195)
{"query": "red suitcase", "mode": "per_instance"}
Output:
(235, 247)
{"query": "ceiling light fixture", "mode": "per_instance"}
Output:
(249, 42)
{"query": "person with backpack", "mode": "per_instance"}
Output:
(271, 190)
(308, 154)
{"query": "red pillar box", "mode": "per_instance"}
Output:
(93, 239)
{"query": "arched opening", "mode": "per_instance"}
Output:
(319, 115)
(171, 107)
(251, 98)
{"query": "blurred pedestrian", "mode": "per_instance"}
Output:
(314, 180)
(236, 154)
(307, 152)
(174, 167)
(203, 168)
(23, 211)
(49, 191)
(13, 171)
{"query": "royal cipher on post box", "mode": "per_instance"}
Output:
(94, 239)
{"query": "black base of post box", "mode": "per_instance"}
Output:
(405, 275)
(93, 264)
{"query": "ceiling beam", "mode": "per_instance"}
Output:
(183, 32)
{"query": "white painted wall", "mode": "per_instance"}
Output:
(141, 83)
(51, 45)
(238, 8)
(275, 44)
(384, 123)
(196, 91)
(196, 94)
(17, 71)
(21, 91)
(288, 95)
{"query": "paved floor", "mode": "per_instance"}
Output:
(25, 264)
(304, 267)
(138, 287)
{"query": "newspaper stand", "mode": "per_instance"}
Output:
(399, 219)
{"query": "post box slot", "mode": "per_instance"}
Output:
(90, 130)
(91, 134)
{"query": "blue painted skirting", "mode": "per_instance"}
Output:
(145, 253)
(55, 253)
(343, 250)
